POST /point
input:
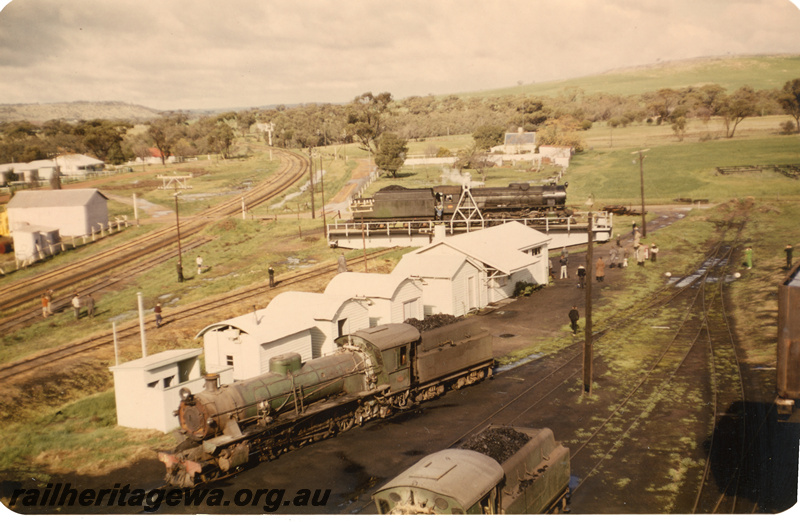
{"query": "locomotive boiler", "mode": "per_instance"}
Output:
(375, 372)
(441, 202)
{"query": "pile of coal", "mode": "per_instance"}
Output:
(498, 443)
(433, 321)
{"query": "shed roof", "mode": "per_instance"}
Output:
(265, 326)
(499, 247)
(53, 198)
(43, 164)
(25, 228)
(464, 475)
(316, 306)
(159, 360)
(367, 285)
(432, 265)
(78, 160)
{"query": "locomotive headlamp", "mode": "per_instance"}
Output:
(185, 394)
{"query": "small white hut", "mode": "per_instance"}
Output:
(147, 389)
(33, 244)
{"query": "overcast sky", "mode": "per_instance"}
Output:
(200, 54)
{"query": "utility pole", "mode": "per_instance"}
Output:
(641, 180)
(311, 171)
(587, 341)
(178, 228)
(322, 187)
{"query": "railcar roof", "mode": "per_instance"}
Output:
(464, 475)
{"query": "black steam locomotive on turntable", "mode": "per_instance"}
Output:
(375, 372)
(442, 202)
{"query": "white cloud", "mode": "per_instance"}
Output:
(203, 53)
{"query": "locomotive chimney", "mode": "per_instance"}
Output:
(212, 382)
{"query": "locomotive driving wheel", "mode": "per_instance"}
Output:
(345, 423)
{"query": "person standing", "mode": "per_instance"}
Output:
(89, 305)
(76, 305)
(613, 260)
(574, 315)
(271, 272)
(49, 294)
(581, 276)
(341, 264)
(199, 262)
(653, 252)
(600, 270)
(157, 311)
(788, 251)
(640, 255)
(45, 304)
(563, 261)
(748, 257)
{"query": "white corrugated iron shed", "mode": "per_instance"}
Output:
(451, 281)
(300, 322)
(74, 212)
(505, 255)
(502, 247)
(391, 298)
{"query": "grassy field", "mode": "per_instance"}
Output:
(759, 72)
(608, 172)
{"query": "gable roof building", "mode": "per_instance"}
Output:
(390, 298)
(502, 256)
(301, 322)
(74, 212)
(76, 164)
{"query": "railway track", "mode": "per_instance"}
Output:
(704, 337)
(612, 431)
(131, 329)
(293, 167)
(27, 317)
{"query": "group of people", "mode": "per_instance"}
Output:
(79, 301)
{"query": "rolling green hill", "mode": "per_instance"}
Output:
(759, 72)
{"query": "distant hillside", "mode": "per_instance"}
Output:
(74, 111)
(732, 72)
(759, 72)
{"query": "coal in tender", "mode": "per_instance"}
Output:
(433, 321)
(498, 443)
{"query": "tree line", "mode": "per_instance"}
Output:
(382, 125)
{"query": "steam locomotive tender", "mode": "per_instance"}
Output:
(502, 470)
(517, 199)
(374, 372)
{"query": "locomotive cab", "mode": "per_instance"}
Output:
(394, 347)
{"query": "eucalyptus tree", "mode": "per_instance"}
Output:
(789, 98)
